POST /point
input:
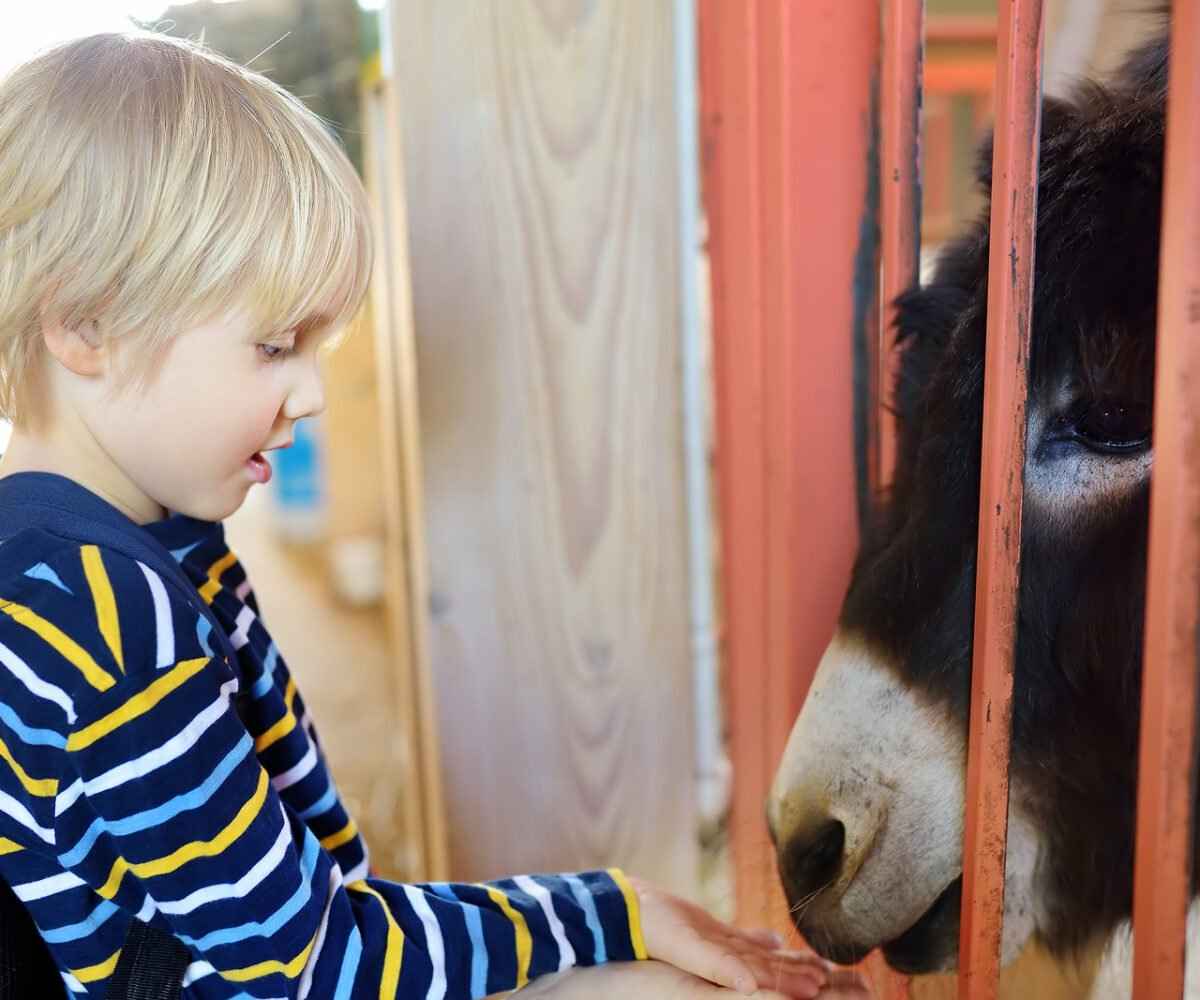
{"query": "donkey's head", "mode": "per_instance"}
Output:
(867, 808)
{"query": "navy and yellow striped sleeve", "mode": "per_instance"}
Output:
(147, 797)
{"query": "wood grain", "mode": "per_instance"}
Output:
(541, 155)
(410, 696)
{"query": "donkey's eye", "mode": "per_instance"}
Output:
(1112, 425)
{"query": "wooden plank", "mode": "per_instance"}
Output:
(1167, 764)
(1010, 300)
(541, 176)
(423, 820)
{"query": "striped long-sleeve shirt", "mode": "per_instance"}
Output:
(144, 774)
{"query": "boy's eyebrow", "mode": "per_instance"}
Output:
(317, 321)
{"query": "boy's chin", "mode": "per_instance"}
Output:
(210, 508)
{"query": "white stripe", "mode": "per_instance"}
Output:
(29, 891)
(233, 890)
(67, 797)
(335, 879)
(147, 910)
(73, 984)
(243, 589)
(164, 626)
(199, 969)
(566, 954)
(176, 746)
(359, 871)
(435, 947)
(297, 772)
(241, 635)
(15, 810)
(35, 685)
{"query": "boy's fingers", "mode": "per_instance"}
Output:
(789, 978)
(848, 979)
(763, 937)
(717, 961)
(804, 954)
(798, 962)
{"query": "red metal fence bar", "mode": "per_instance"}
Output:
(786, 120)
(1166, 775)
(1010, 286)
(900, 238)
(900, 187)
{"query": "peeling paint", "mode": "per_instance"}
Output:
(866, 307)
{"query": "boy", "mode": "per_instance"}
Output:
(180, 239)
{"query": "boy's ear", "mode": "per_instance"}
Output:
(80, 349)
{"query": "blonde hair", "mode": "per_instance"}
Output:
(151, 185)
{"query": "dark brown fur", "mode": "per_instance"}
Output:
(1078, 667)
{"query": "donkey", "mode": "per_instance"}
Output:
(867, 807)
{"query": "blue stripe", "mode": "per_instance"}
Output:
(203, 628)
(585, 900)
(479, 953)
(167, 811)
(73, 932)
(323, 804)
(266, 679)
(41, 737)
(43, 572)
(268, 927)
(345, 981)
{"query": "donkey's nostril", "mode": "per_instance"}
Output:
(811, 859)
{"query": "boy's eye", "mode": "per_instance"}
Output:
(273, 352)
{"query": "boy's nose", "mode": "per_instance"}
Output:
(307, 398)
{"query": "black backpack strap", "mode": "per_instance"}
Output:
(151, 966)
(26, 968)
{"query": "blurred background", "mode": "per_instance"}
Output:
(492, 563)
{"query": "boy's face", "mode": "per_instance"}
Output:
(220, 396)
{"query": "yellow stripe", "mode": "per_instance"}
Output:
(102, 597)
(101, 971)
(196, 849)
(34, 786)
(139, 704)
(370, 70)
(635, 912)
(343, 836)
(285, 725)
(10, 846)
(213, 586)
(524, 938)
(393, 956)
(75, 654)
(291, 969)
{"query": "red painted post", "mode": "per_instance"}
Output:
(900, 237)
(1166, 773)
(900, 194)
(787, 92)
(1010, 287)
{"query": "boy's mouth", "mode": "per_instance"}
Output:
(259, 467)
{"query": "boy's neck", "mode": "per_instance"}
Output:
(29, 452)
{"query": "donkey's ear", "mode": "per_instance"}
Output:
(1058, 117)
(1144, 71)
(926, 318)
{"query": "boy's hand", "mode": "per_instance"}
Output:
(648, 981)
(685, 936)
